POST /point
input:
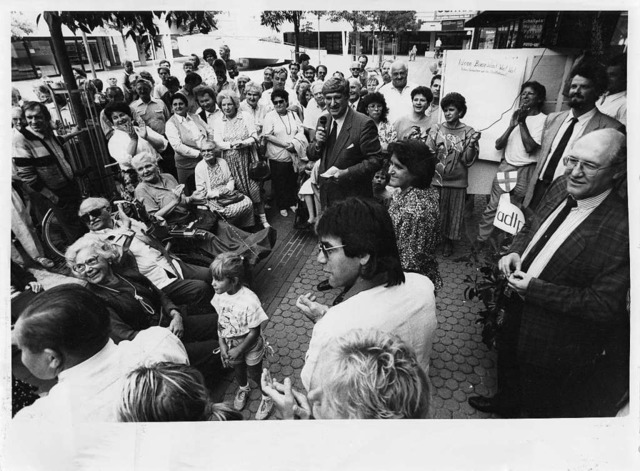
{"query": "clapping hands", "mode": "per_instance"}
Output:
(290, 404)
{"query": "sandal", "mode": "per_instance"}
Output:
(45, 262)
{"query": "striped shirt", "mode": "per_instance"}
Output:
(574, 219)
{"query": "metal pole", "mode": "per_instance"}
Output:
(319, 58)
(86, 47)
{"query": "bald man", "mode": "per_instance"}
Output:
(397, 93)
(563, 349)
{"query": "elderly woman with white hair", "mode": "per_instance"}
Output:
(251, 104)
(365, 374)
(135, 304)
(237, 137)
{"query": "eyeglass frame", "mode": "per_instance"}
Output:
(589, 171)
(86, 217)
(80, 268)
(325, 250)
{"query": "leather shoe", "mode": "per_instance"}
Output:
(492, 405)
(324, 286)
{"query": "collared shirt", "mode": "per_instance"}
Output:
(614, 105)
(210, 116)
(198, 135)
(398, 101)
(577, 132)
(151, 263)
(258, 113)
(515, 152)
(155, 196)
(354, 104)
(311, 114)
(339, 121)
(54, 145)
(577, 215)
(155, 113)
(407, 310)
(90, 391)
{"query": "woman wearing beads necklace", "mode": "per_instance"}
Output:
(286, 147)
(135, 304)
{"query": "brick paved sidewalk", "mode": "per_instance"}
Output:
(461, 364)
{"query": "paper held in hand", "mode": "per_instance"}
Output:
(330, 172)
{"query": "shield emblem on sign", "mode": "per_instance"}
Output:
(507, 180)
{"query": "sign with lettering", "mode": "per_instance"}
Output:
(509, 218)
(489, 80)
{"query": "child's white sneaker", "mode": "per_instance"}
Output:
(240, 400)
(265, 408)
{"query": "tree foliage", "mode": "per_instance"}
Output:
(137, 23)
(276, 18)
(393, 21)
(357, 19)
(20, 26)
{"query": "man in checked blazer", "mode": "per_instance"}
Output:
(353, 157)
(588, 82)
(573, 337)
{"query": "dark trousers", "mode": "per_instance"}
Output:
(509, 392)
(66, 212)
(194, 290)
(200, 339)
(284, 181)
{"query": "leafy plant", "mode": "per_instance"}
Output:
(488, 285)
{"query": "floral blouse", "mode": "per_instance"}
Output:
(415, 214)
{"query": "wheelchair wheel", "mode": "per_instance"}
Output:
(53, 235)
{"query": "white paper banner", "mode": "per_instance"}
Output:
(509, 218)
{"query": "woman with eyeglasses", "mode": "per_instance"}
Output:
(286, 148)
(135, 304)
(359, 252)
(377, 109)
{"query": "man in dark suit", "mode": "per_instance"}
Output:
(347, 146)
(562, 129)
(569, 268)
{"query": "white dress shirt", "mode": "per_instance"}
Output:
(577, 215)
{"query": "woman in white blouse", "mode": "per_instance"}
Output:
(187, 134)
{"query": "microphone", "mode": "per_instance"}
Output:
(322, 123)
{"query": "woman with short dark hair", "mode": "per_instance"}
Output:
(416, 124)
(415, 210)
(377, 109)
(456, 148)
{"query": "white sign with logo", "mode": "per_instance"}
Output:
(509, 218)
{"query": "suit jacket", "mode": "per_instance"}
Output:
(576, 309)
(551, 127)
(357, 148)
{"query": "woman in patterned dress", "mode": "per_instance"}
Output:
(214, 180)
(456, 148)
(377, 109)
(235, 133)
(414, 209)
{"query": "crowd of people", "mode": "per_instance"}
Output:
(378, 167)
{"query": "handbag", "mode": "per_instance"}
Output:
(259, 171)
(230, 198)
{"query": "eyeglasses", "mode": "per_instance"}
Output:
(81, 267)
(94, 213)
(588, 168)
(279, 102)
(375, 106)
(325, 249)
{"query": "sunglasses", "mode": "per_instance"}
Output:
(279, 102)
(325, 249)
(94, 213)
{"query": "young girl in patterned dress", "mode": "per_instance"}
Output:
(414, 209)
(456, 147)
(240, 316)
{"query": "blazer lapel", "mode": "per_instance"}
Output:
(342, 138)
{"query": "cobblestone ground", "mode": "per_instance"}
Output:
(461, 364)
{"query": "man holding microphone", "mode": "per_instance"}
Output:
(347, 147)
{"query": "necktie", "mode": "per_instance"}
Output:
(553, 227)
(557, 154)
(332, 138)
